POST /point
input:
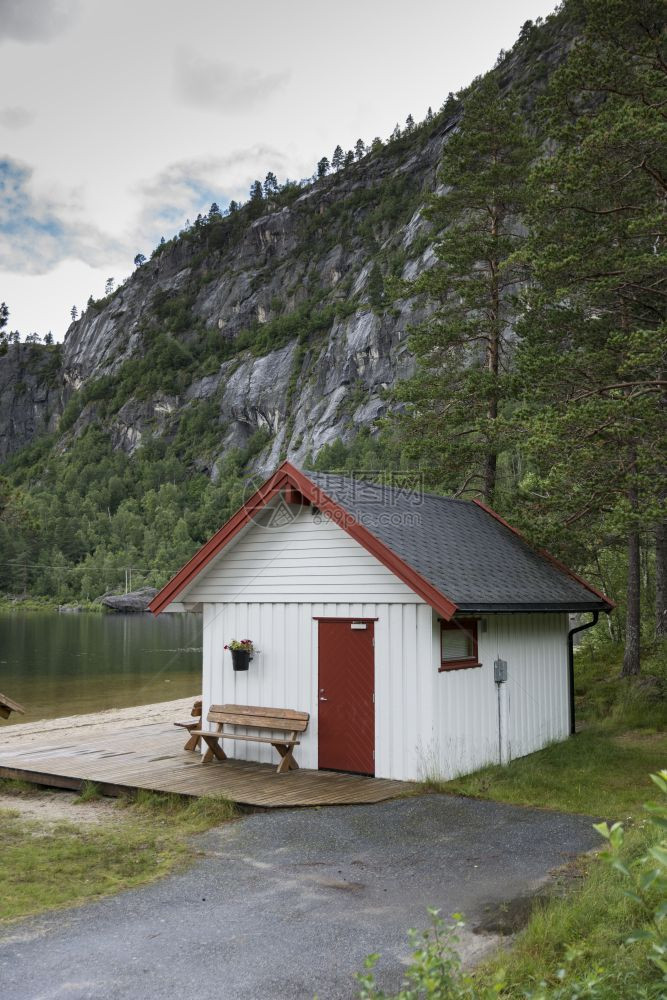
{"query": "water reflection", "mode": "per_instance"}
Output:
(69, 664)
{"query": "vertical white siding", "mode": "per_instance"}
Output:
(466, 732)
(535, 647)
(534, 709)
(426, 723)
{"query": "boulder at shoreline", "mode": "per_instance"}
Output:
(136, 600)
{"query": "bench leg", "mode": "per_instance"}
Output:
(214, 749)
(193, 743)
(287, 762)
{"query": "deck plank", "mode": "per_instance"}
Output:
(150, 756)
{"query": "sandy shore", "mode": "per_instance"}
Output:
(114, 720)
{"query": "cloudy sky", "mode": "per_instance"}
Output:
(120, 121)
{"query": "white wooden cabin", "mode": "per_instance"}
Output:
(391, 616)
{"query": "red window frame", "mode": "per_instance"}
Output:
(469, 625)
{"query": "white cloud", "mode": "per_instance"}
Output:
(38, 232)
(16, 117)
(220, 86)
(187, 187)
(35, 20)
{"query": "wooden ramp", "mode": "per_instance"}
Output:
(151, 756)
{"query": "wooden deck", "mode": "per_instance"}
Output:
(151, 756)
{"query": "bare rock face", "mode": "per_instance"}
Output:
(32, 395)
(135, 601)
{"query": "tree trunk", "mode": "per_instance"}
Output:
(493, 367)
(661, 581)
(490, 464)
(631, 663)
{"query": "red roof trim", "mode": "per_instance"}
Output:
(287, 474)
(547, 555)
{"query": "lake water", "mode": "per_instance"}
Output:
(68, 664)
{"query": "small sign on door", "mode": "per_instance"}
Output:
(358, 625)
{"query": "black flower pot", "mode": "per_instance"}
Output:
(240, 659)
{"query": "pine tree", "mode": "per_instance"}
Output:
(375, 287)
(255, 206)
(360, 149)
(74, 313)
(409, 125)
(349, 158)
(429, 115)
(256, 192)
(323, 167)
(214, 212)
(463, 350)
(450, 106)
(270, 185)
(337, 158)
(592, 353)
(139, 260)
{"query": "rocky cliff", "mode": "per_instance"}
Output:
(32, 394)
(305, 265)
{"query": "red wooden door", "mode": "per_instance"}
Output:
(346, 718)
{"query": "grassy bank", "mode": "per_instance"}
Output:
(45, 604)
(46, 865)
(602, 773)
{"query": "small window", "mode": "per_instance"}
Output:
(458, 644)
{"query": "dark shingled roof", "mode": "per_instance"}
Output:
(460, 548)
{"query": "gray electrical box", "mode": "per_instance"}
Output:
(500, 671)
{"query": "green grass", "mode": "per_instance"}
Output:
(597, 772)
(47, 866)
(90, 792)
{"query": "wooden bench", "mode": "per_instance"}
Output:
(267, 720)
(8, 705)
(192, 741)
